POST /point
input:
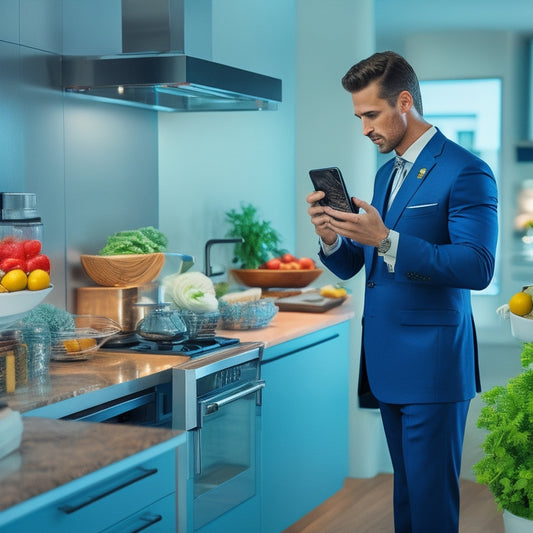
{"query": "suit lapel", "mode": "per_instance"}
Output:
(416, 176)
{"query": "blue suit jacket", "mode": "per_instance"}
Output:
(419, 343)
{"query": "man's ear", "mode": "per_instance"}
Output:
(405, 101)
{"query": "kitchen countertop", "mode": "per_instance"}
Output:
(43, 462)
(286, 326)
(70, 380)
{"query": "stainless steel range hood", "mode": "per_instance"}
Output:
(153, 71)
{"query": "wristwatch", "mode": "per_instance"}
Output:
(385, 244)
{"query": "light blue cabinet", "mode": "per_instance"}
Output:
(122, 497)
(304, 425)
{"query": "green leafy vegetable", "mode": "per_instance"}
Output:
(192, 290)
(507, 464)
(140, 241)
(261, 241)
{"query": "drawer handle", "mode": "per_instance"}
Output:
(138, 474)
(147, 520)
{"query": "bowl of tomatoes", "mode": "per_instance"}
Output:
(286, 271)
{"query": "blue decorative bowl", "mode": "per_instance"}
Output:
(247, 315)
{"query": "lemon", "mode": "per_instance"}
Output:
(329, 291)
(520, 304)
(38, 280)
(15, 280)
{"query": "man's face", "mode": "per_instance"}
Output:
(384, 125)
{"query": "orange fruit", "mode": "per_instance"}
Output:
(15, 280)
(520, 304)
(38, 280)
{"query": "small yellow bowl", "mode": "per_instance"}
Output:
(127, 270)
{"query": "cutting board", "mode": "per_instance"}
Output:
(308, 302)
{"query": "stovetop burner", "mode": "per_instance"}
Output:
(190, 347)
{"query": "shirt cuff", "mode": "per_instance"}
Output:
(328, 249)
(390, 256)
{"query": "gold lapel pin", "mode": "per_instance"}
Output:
(421, 173)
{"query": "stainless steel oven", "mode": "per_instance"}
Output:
(217, 400)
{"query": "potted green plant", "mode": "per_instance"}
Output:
(507, 465)
(261, 240)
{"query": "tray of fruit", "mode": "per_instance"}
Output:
(285, 271)
(24, 277)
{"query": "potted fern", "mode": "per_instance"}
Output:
(507, 465)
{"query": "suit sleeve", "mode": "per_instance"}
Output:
(346, 261)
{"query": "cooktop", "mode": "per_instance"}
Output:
(189, 347)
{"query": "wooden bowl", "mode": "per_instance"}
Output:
(267, 279)
(123, 270)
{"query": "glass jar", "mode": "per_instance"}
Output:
(13, 361)
(38, 343)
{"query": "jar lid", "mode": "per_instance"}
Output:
(18, 206)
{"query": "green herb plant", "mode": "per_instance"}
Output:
(507, 465)
(261, 240)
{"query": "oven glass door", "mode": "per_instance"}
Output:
(225, 458)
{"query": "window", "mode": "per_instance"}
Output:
(469, 113)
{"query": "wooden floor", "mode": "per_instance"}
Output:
(365, 506)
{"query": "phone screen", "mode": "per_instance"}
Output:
(330, 181)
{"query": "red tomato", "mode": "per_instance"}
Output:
(9, 247)
(38, 262)
(273, 264)
(306, 263)
(31, 247)
(12, 263)
(288, 258)
(285, 266)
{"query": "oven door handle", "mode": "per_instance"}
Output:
(213, 407)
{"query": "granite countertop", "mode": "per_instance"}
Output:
(43, 462)
(106, 371)
(68, 380)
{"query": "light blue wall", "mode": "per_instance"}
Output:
(211, 162)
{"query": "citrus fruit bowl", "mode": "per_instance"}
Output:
(267, 279)
(89, 335)
(14, 305)
(522, 327)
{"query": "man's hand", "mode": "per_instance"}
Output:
(366, 227)
(319, 219)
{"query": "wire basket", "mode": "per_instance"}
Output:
(200, 325)
(247, 315)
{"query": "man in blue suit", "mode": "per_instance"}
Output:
(427, 239)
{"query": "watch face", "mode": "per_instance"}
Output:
(384, 245)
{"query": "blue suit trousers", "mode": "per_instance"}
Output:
(425, 443)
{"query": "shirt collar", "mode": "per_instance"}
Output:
(414, 150)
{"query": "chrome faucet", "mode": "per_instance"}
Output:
(207, 260)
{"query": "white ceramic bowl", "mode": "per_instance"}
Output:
(521, 327)
(14, 305)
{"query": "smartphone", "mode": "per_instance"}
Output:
(330, 181)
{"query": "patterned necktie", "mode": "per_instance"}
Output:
(397, 177)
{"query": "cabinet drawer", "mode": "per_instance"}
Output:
(105, 503)
(160, 517)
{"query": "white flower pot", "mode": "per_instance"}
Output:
(516, 524)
